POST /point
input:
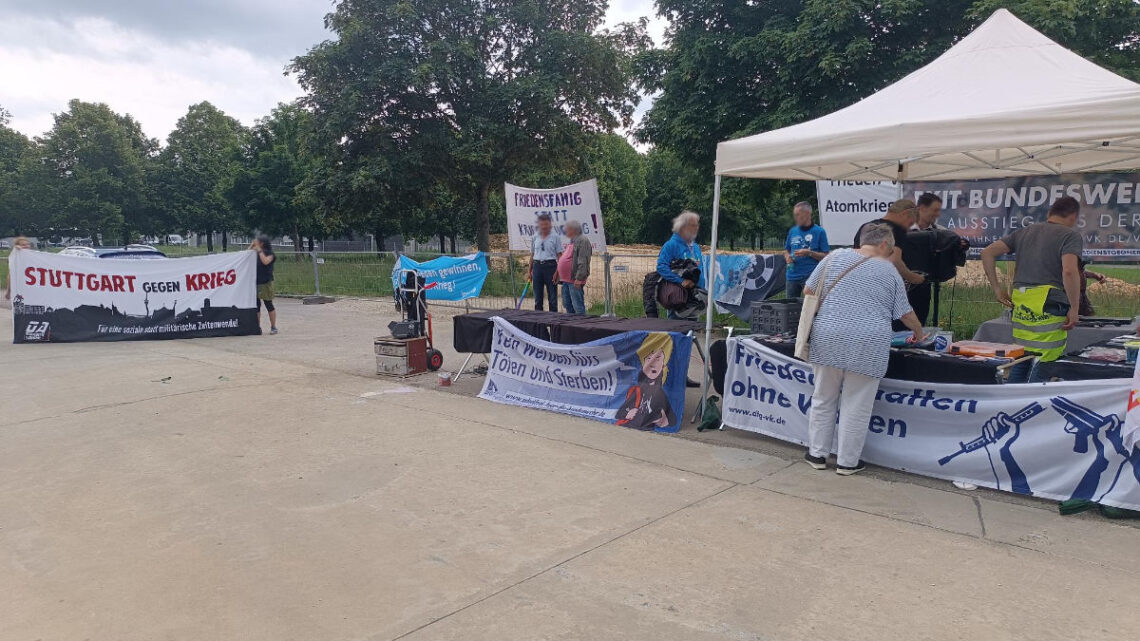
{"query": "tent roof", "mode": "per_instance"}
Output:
(1004, 101)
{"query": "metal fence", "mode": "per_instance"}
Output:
(616, 281)
(615, 285)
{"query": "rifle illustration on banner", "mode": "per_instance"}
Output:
(993, 431)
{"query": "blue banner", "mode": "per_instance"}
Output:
(634, 379)
(455, 278)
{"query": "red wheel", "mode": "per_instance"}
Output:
(435, 359)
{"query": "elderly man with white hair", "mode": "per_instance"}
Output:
(574, 268)
(683, 244)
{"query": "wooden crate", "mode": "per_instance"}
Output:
(401, 356)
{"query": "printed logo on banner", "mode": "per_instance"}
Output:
(999, 436)
(634, 379)
(37, 331)
(76, 298)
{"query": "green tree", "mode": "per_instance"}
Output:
(620, 172)
(14, 146)
(735, 68)
(470, 92)
(1106, 32)
(195, 169)
(88, 175)
(671, 187)
(267, 190)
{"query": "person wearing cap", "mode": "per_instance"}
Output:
(900, 216)
(1046, 297)
(545, 246)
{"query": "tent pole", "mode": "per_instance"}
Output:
(710, 285)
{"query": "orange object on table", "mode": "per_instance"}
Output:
(982, 348)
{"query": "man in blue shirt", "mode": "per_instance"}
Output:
(546, 245)
(805, 247)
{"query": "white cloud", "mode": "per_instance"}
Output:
(139, 62)
(155, 81)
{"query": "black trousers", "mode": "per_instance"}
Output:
(919, 297)
(543, 280)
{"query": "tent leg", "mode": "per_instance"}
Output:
(710, 284)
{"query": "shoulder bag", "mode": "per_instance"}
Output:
(812, 304)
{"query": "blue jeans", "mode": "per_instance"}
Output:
(573, 299)
(794, 288)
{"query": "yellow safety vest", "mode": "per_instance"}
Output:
(1034, 329)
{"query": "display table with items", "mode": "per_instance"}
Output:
(1113, 358)
(1087, 332)
(905, 364)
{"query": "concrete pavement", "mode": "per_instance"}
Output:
(274, 488)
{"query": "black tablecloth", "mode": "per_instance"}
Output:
(581, 329)
(919, 366)
(472, 332)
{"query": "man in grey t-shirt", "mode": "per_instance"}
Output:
(1046, 284)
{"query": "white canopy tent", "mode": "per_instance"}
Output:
(1005, 101)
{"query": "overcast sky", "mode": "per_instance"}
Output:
(154, 58)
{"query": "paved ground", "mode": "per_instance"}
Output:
(273, 488)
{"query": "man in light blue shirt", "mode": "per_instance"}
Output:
(805, 246)
(545, 246)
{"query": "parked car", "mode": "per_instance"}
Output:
(176, 239)
(144, 252)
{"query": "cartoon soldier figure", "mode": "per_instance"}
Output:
(646, 404)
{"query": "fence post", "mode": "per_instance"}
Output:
(607, 259)
(316, 273)
(316, 298)
(511, 267)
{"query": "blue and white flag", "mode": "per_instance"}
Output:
(633, 379)
(742, 279)
(455, 278)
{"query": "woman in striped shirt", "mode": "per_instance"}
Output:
(851, 343)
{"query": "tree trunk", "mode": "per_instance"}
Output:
(209, 241)
(225, 241)
(452, 239)
(378, 236)
(442, 239)
(483, 218)
(297, 247)
(310, 245)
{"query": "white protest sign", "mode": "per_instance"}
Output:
(578, 202)
(845, 205)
